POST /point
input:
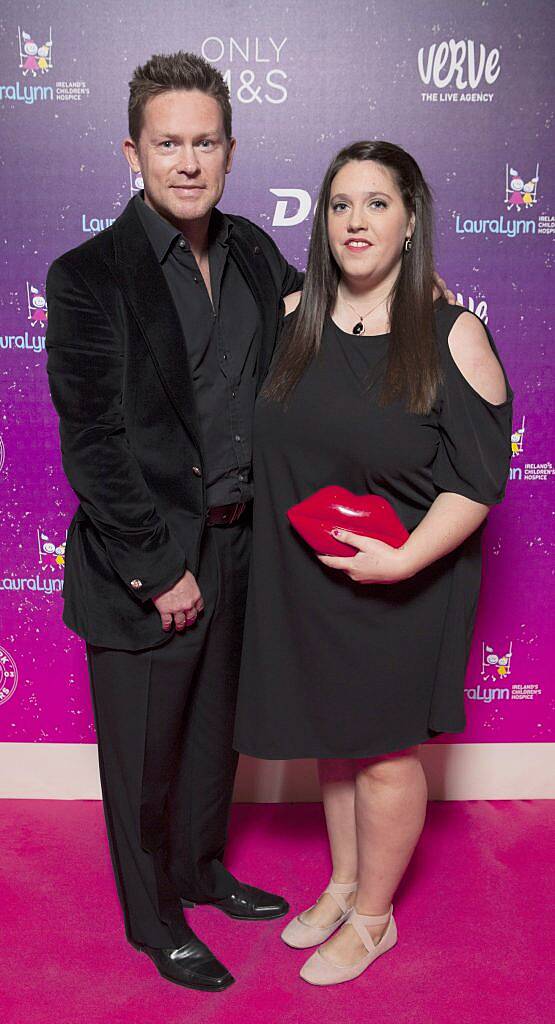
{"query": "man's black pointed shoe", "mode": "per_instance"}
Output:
(248, 904)
(191, 965)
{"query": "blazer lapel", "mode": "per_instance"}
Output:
(144, 287)
(252, 264)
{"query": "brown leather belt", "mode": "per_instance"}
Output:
(225, 515)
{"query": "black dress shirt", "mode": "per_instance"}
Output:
(221, 339)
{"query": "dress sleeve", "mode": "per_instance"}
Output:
(474, 450)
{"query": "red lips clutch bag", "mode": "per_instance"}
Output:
(334, 507)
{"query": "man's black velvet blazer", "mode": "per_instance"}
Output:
(120, 382)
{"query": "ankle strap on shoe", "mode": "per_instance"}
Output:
(337, 890)
(361, 921)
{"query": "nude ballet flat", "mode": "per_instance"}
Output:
(319, 971)
(301, 935)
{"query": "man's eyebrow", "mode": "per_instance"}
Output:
(212, 132)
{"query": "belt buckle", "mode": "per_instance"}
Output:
(237, 512)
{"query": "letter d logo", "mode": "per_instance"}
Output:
(281, 220)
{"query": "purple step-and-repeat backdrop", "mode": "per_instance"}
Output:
(464, 85)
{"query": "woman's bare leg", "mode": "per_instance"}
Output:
(337, 781)
(390, 810)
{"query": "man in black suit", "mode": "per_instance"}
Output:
(161, 330)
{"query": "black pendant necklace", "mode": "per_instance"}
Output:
(359, 326)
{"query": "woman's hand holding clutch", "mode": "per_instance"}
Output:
(374, 554)
(374, 562)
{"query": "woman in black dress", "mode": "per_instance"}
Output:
(356, 661)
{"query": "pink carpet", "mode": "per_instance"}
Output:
(472, 913)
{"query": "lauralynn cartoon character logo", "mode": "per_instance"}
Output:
(495, 666)
(34, 57)
(136, 183)
(37, 310)
(517, 440)
(520, 193)
(51, 556)
(8, 675)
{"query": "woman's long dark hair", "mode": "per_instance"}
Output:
(413, 371)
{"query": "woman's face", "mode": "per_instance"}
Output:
(367, 221)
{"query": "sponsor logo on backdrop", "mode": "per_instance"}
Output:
(293, 206)
(51, 555)
(497, 670)
(520, 196)
(251, 67)
(8, 675)
(36, 305)
(25, 342)
(527, 471)
(458, 71)
(51, 561)
(517, 440)
(477, 306)
(136, 183)
(92, 225)
(35, 47)
(36, 584)
(37, 316)
(495, 666)
(34, 60)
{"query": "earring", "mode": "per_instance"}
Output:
(408, 244)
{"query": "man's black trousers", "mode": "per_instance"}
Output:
(164, 719)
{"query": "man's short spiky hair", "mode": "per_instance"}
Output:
(165, 72)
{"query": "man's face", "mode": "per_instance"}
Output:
(183, 155)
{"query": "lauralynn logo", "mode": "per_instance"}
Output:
(458, 71)
(37, 317)
(520, 194)
(92, 225)
(136, 183)
(51, 555)
(8, 675)
(496, 666)
(36, 306)
(517, 440)
(495, 669)
(51, 560)
(34, 60)
(531, 472)
(520, 197)
(35, 63)
(35, 50)
(497, 682)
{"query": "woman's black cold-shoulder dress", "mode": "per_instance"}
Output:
(333, 668)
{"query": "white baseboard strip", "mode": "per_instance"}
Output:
(455, 771)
